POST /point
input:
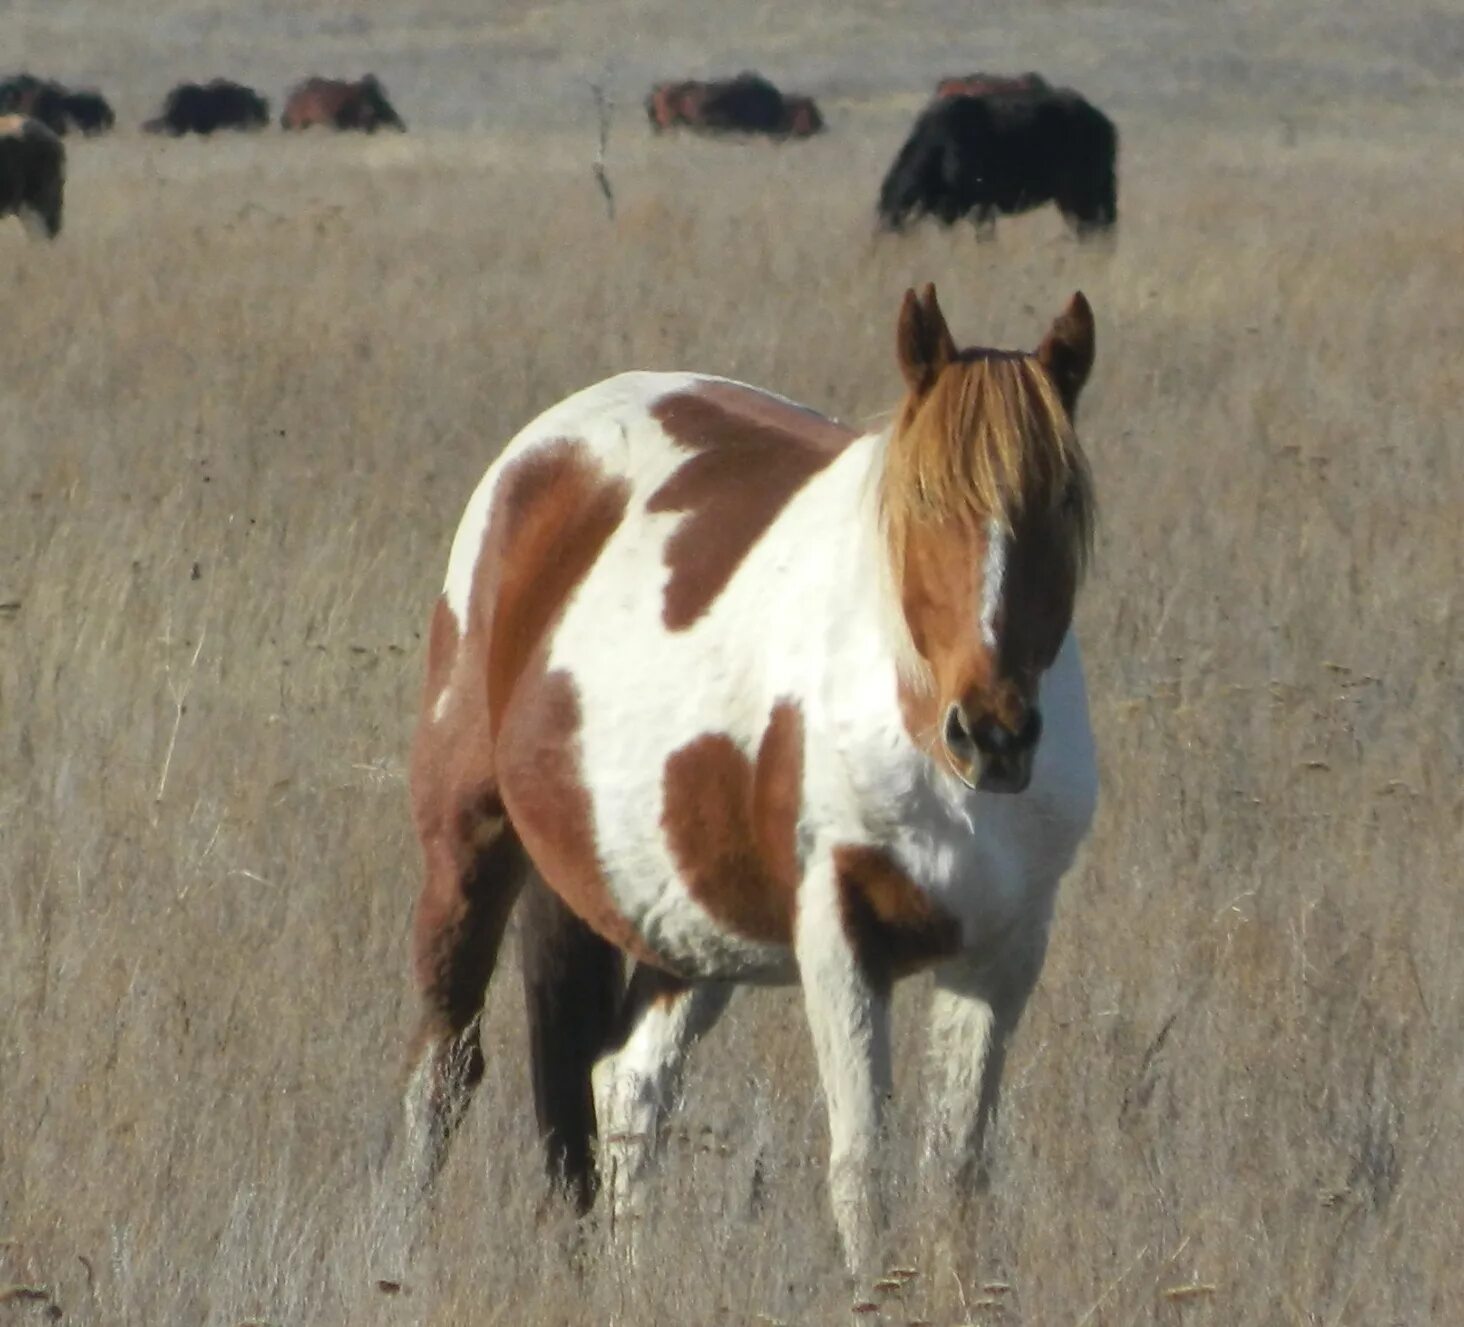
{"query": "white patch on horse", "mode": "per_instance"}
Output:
(992, 581)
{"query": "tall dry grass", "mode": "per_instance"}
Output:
(242, 403)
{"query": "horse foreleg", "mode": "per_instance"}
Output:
(848, 1016)
(973, 1013)
(636, 1084)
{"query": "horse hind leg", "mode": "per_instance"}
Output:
(475, 870)
(572, 988)
(636, 1085)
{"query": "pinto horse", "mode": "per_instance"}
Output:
(743, 696)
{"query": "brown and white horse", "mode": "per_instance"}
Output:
(749, 698)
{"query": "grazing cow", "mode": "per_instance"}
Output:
(59, 108)
(669, 105)
(340, 104)
(87, 110)
(202, 108)
(980, 85)
(38, 98)
(747, 104)
(1006, 152)
(32, 174)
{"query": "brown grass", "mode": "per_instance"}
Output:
(242, 403)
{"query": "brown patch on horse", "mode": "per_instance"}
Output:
(544, 788)
(442, 648)
(752, 453)
(732, 824)
(553, 512)
(893, 927)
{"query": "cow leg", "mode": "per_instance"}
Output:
(635, 1085)
(474, 874)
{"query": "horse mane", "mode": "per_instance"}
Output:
(989, 441)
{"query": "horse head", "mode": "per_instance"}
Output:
(988, 512)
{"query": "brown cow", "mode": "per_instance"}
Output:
(747, 104)
(987, 85)
(340, 104)
(32, 174)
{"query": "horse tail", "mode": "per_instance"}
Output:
(572, 987)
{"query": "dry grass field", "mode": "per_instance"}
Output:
(242, 402)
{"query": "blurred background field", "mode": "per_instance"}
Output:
(242, 403)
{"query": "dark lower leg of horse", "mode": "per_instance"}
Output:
(984, 220)
(572, 989)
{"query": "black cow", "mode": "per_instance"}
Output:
(87, 110)
(39, 98)
(194, 108)
(32, 174)
(1006, 152)
(56, 106)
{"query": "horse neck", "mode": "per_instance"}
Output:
(841, 561)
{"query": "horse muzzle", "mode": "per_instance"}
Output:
(989, 757)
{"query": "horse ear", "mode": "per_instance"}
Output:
(923, 342)
(1066, 351)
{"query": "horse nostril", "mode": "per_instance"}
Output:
(956, 732)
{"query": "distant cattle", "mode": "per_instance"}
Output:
(339, 104)
(203, 108)
(747, 104)
(1006, 152)
(32, 174)
(88, 111)
(59, 108)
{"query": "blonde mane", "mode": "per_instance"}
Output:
(989, 441)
